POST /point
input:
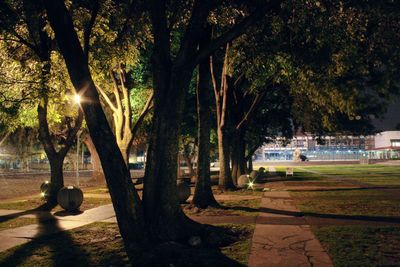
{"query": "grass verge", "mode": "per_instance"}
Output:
(366, 202)
(361, 245)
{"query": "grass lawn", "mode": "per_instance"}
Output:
(381, 175)
(16, 222)
(88, 203)
(366, 202)
(99, 244)
(361, 245)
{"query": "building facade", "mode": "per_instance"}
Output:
(385, 145)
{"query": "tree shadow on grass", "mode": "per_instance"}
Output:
(334, 216)
(239, 208)
(42, 211)
(64, 252)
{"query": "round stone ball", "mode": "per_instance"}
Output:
(46, 190)
(183, 191)
(70, 198)
(243, 180)
(254, 175)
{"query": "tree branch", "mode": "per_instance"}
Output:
(224, 86)
(236, 30)
(251, 110)
(4, 138)
(108, 100)
(161, 33)
(145, 111)
(195, 29)
(71, 135)
(88, 29)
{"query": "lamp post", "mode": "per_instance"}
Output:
(77, 100)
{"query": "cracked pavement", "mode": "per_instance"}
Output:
(288, 244)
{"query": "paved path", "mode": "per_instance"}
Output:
(48, 223)
(284, 244)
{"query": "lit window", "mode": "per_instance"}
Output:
(395, 142)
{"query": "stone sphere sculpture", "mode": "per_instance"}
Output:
(46, 190)
(70, 198)
(243, 181)
(254, 175)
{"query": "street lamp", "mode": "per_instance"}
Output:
(77, 100)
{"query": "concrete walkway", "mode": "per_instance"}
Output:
(48, 223)
(290, 244)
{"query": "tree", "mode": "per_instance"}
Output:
(24, 24)
(125, 199)
(125, 131)
(203, 195)
(170, 78)
(172, 71)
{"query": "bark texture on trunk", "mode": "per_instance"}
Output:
(126, 201)
(250, 164)
(203, 195)
(225, 177)
(221, 101)
(163, 213)
(98, 174)
(238, 155)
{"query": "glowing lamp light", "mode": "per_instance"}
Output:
(250, 185)
(77, 99)
(42, 194)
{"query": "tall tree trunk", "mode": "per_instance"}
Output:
(189, 163)
(225, 177)
(221, 101)
(163, 213)
(97, 174)
(238, 155)
(203, 195)
(250, 164)
(56, 174)
(125, 199)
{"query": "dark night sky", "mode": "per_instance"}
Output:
(391, 118)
